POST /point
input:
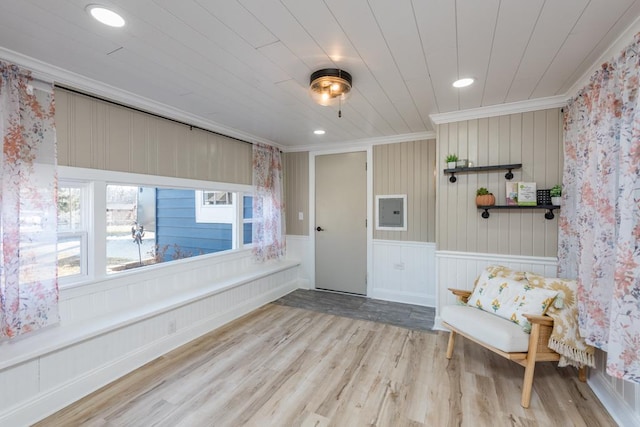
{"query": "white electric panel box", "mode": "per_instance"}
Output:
(391, 212)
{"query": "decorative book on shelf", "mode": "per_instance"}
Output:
(511, 193)
(527, 195)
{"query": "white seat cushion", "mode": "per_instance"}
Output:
(487, 328)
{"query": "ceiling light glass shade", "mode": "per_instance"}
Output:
(463, 82)
(319, 132)
(329, 86)
(105, 16)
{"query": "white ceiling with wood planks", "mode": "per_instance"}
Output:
(242, 67)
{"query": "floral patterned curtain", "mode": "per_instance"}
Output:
(28, 208)
(599, 239)
(268, 209)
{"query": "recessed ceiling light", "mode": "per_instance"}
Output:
(105, 16)
(463, 82)
(319, 132)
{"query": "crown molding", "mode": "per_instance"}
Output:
(363, 143)
(53, 74)
(501, 109)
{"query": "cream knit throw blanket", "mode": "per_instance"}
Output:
(565, 337)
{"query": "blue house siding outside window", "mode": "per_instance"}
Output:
(178, 235)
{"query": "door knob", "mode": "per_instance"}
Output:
(319, 228)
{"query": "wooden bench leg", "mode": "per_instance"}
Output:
(530, 368)
(452, 339)
(527, 384)
(582, 374)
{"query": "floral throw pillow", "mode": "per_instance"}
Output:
(511, 299)
(497, 271)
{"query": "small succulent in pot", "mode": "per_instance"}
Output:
(451, 160)
(484, 197)
(556, 193)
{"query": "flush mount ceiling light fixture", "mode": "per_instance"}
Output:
(105, 16)
(330, 86)
(467, 81)
(319, 132)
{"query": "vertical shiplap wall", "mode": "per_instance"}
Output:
(533, 139)
(408, 168)
(98, 135)
(296, 189)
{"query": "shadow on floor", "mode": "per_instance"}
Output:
(408, 316)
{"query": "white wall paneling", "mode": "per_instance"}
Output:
(404, 272)
(460, 269)
(115, 326)
(298, 248)
(621, 398)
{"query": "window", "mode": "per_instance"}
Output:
(147, 225)
(111, 222)
(216, 198)
(215, 207)
(130, 227)
(72, 230)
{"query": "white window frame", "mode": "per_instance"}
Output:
(96, 181)
(83, 233)
(242, 220)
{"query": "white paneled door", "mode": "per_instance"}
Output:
(341, 228)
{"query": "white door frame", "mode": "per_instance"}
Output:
(312, 210)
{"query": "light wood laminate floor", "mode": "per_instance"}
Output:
(285, 366)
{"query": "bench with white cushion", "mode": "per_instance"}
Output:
(503, 337)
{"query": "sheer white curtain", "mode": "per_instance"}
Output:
(268, 209)
(599, 233)
(28, 206)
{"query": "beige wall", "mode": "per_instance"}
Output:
(533, 139)
(408, 168)
(99, 135)
(296, 192)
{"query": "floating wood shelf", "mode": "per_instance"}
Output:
(548, 215)
(508, 168)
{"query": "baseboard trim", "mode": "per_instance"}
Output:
(55, 399)
(622, 413)
(404, 297)
(437, 324)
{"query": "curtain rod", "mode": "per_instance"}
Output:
(110, 101)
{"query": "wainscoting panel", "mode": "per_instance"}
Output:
(460, 269)
(404, 272)
(98, 342)
(299, 248)
(621, 398)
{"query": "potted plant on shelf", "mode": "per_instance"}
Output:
(451, 161)
(484, 197)
(556, 193)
